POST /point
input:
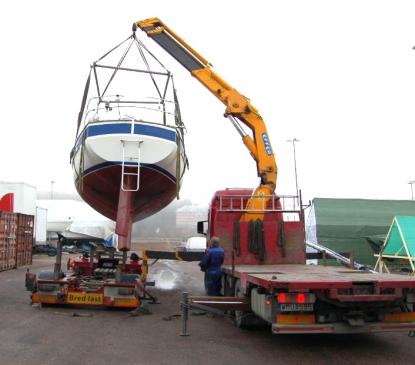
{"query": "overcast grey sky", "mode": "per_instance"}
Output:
(337, 75)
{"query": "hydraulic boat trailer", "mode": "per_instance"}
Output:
(101, 277)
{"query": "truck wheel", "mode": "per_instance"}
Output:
(227, 289)
(244, 319)
(52, 251)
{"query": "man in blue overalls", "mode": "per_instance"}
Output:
(211, 265)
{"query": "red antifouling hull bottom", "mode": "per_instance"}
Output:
(102, 191)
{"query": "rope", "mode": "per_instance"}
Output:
(178, 116)
(178, 177)
(281, 241)
(251, 238)
(113, 49)
(148, 68)
(81, 164)
(164, 99)
(179, 124)
(260, 240)
(142, 45)
(116, 69)
(84, 97)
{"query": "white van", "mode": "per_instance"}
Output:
(196, 244)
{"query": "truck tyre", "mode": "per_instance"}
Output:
(244, 319)
(227, 287)
(52, 251)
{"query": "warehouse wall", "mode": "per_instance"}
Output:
(24, 196)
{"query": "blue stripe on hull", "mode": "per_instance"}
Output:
(130, 164)
(125, 128)
(100, 129)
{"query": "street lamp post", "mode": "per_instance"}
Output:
(412, 189)
(295, 162)
(51, 189)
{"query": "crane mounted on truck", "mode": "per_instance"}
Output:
(265, 253)
(238, 109)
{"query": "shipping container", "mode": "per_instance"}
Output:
(16, 240)
(8, 230)
(24, 239)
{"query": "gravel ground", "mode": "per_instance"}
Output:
(52, 335)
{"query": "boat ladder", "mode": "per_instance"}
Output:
(131, 154)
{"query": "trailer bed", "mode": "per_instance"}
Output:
(313, 277)
(346, 300)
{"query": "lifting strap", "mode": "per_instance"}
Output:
(181, 128)
(178, 177)
(86, 89)
(256, 239)
(281, 241)
(84, 97)
(236, 242)
(81, 164)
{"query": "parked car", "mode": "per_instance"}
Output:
(181, 246)
(195, 244)
(46, 248)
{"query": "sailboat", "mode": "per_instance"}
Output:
(129, 156)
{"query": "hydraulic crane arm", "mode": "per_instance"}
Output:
(238, 107)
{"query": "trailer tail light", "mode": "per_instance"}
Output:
(296, 298)
(399, 317)
(282, 298)
(296, 318)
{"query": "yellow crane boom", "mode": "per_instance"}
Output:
(238, 107)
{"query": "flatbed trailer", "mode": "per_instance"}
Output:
(322, 299)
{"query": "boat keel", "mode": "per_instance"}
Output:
(125, 211)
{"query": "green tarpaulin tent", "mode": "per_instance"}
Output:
(348, 225)
(399, 243)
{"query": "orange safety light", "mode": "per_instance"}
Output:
(399, 317)
(296, 318)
